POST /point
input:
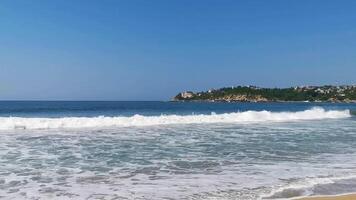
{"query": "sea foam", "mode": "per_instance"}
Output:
(7, 123)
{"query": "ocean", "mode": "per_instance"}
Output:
(175, 150)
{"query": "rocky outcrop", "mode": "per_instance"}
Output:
(184, 96)
(242, 98)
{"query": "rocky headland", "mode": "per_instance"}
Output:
(326, 93)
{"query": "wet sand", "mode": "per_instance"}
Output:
(340, 197)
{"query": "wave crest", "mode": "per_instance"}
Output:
(8, 123)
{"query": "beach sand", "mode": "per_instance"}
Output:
(341, 197)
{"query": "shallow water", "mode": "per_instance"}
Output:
(256, 159)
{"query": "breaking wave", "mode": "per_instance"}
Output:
(7, 123)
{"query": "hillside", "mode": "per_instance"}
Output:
(327, 93)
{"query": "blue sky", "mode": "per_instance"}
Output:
(150, 50)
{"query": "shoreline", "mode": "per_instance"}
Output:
(348, 196)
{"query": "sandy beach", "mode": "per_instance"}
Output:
(339, 197)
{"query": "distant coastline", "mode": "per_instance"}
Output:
(326, 93)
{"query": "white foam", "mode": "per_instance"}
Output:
(305, 186)
(7, 123)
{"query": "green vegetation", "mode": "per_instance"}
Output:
(256, 94)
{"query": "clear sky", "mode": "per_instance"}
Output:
(152, 49)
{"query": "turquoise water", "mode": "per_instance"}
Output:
(162, 150)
